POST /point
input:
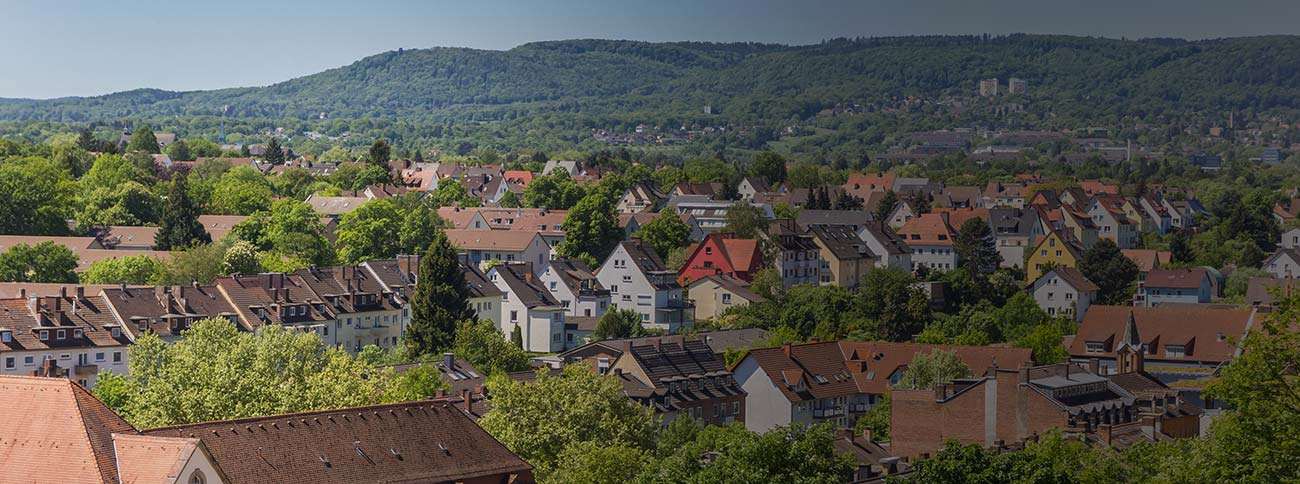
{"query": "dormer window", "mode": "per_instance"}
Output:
(61, 334)
(45, 336)
(116, 332)
(77, 333)
(6, 336)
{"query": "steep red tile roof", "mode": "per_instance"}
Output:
(1148, 259)
(422, 441)
(510, 240)
(53, 430)
(144, 459)
(1208, 334)
(1176, 278)
(927, 229)
(872, 363)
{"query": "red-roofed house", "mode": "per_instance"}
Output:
(1177, 335)
(721, 254)
(930, 237)
(1164, 286)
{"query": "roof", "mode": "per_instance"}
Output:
(507, 240)
(478, 284)
(27, 318)
(927, 229)
(643, 256)
(892, 242)
(420, 441)
(53, 430)
(143, 459)
(334, 205)
(1148, 259)
(1176, 278)
(1259, 289)
(520, 280)
(1073, 277)
(959, 216)
(849, 367)
(678, 375)
(735, 286)
(843, 242)
(719, 342)
(856, 218)
(576, 276)
(1207, 334)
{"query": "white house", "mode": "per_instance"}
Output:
(1290, 239)
(528, 306)
(1283, 264)
(1185, 286)
(480, 246)
(638, 280)
(68, 335)
(892, 250)
(573, 284)
(1064, 291)
(484, 297)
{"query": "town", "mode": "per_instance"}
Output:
(822, 243)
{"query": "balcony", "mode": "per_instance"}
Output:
(859, 407)
(828, 412)
(85, 369)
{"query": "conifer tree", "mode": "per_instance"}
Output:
(439, 302)
(180, 227)
(143, 139)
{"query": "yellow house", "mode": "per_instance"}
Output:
(1054, 249)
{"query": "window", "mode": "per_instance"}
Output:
(514, 316)
(1095, 347)
(627, 278)
(613, 288)
(29, 361)
(117, 357)
(99, 356)
(76, 333)
(9, 363)
(1175, 351)
(61, 334)
(726, 298)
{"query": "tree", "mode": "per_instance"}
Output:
(896, 309)
(539, 420)
(372, 231)
(131, 269)
(179, 151)
(216, 372)
(128, 204)
(452, 193)
(241, 258)
(770, 166)
(517, 337)
(240, 191)
(180, 225)
(767, 283)
(200, 263)
(440, 299)
(976, 247)
(418, 226)
(690, 452)
(1180, 250)
(590, 229)
(885, 206)
(933, 368)
(38, 197)
(665, 232)
(143, 140)
(43, 262)
(745, 220)
(876, 420)
(617, 324)
(1113, 273)
(555, 191)
(481, 344)
(274, 152)
(510, 200)
(599, 463)
(380, 153)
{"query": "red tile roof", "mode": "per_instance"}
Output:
(1208, 334)
(53, 430)
(1148, 259)
(1176, 278)
(927, 229)
(422, 441)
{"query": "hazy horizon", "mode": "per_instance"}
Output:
(87, 48)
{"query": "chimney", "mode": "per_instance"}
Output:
(466, 399)
(449, 360)
(785, 348)
(63, 292)
(940, 391)
(81, 292)
(866, 435)
(1067, 370)
(1024, 373)
(22, 293)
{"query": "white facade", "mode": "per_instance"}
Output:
(765, 406)
(576, 302)
(82, 364)
(656, 296)
(542, 326)
(934, 257)
(1058, 297)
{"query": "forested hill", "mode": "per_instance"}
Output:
(745, 82)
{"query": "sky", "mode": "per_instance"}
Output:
(54, 48)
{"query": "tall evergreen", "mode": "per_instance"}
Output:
(180, 227)
(274, 153)
(143, 139)
(380, 152)
(439, 302)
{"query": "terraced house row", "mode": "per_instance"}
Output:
(77, 331)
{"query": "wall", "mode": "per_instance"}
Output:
(765, 406)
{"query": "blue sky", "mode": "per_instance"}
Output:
(54, 48)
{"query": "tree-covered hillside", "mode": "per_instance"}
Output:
(743, 81)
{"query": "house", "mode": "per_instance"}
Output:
(477, 247)
(527, 307)
(797, 259)
(641, 197)
(55, 430)
(1112, 223)
(363, 312)
(328, 206)
(999, 194)
(638, 280)
(1165, 334)
(165, 311)
(710, 215)
(752, 185)
(837, 382)
(844, 257)
(713, 295)
(680, 379)
(1283, 264)
(874, 462)
(279, 299)
(71, 335)
(548, 223)
(1002, 406)
(719, 341)
(1013, 233)
(567, 166)
(855, 219)
(576, 287)
(1166, 286)
(930, 238)
(1055, 249)
(724, 254)
(903, 212)
(484, 297)
(1065, 292)
(420, 441)
(890, 249)
(861, 185)
(958, 197)
(1148, 260)
(1290, 239)
(1155, 215)
(1260, 290)
(1183, 213)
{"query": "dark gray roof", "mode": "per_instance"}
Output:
(855, 218)
(529, 290)
(477, 283)
(842, 241)
(1011, 221)
(894, 244)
